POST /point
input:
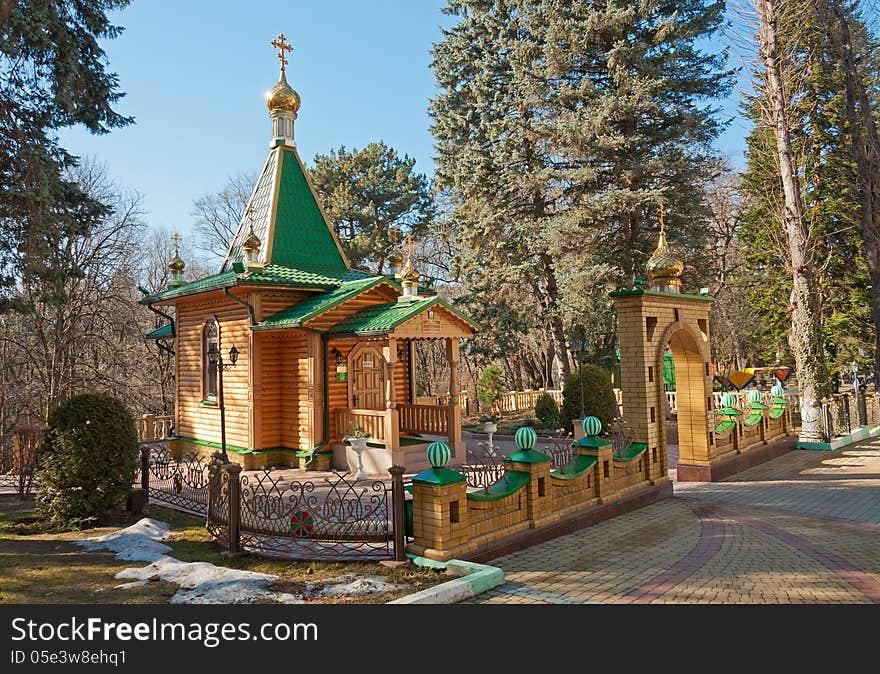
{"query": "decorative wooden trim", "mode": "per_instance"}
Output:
(270, 230)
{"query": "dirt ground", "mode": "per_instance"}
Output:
(45, 567)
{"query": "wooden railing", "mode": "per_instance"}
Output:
(371, 421)
(522, 401)
(155, 427)
(423, 419)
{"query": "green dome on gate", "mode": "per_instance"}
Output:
(777, 391)
(728, 400)
(755, 396)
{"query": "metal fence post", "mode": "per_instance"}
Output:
(145, 470)
(398, 512)
(234, 486)
(827, 420)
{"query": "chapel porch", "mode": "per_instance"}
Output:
(371, 387)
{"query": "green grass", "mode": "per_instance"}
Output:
(38, 566)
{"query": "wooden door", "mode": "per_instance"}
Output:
(367, 387)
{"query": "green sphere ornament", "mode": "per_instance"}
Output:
(525, 438)
(592, 426)
(728, 400)
(438, 454)
(777, 390)
(755, 396)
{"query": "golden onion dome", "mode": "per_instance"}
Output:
(662, 263)
(409, 272)
(176, 264)
(283, 97)
(395, 259)
(252, 242)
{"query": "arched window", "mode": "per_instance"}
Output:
(210, 338)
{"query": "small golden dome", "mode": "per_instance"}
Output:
(176, 265)
(283, 97)
(252, 242)
(410, 273)
(663, 264)
(395, 259)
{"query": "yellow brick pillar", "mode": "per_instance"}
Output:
(539, 500)
(440, 510)
(590, 444)
(649, 321)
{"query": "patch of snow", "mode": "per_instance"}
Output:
(206, 583)
(132, 585)
(137, 543)
(200, 582)
(353, 586)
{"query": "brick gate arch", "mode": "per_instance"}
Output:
(650, 321)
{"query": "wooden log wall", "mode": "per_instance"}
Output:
(294, 371)
(195, 419)
(378, 295)
(269, 303)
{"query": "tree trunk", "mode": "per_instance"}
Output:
(557, 329)
(865, 152)
(6, 7)
(805, 333)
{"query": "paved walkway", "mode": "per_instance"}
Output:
(803, 528)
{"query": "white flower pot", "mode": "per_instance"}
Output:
(490, 426)
(359, 445)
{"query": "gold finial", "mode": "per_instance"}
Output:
(409, 272)
(282, 46)
(664, 269)
(252, 242)
(177, 264)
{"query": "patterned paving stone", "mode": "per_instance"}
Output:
(803, 528)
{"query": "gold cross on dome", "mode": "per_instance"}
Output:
(282, 46)
(176, 240)
(662, 214)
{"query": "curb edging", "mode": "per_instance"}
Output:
(857, 434)
(473, 579)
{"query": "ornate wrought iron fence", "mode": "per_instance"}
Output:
(182, 483)
(483, 467)
(336, 518)
(621, 435)
(560, 449)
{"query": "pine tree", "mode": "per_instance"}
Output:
(559, 126)
(372, 196)
(52, 75)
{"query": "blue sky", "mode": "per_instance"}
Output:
(195, 74)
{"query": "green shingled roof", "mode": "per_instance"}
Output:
(299, 237)
(164, 332)
(317, 305)
(271, 275)
(386, 317)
